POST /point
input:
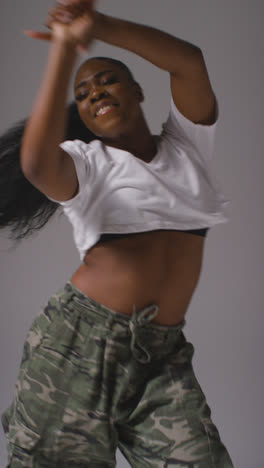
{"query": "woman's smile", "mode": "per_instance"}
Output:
(105, 110)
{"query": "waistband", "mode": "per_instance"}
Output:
(137, 323)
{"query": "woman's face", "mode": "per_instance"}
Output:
(108, 100)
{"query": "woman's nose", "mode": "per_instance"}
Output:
(97, 92)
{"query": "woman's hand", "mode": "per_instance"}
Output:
(71, 21)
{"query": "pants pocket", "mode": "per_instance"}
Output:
(21, 440)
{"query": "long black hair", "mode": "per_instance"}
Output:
(23, 208)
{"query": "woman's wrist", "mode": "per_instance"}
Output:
(64, 53)
(64, 41)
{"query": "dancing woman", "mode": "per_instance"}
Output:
(106, 363)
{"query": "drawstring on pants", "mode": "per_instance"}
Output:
(138, 320)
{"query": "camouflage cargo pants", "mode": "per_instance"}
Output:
(92, 379)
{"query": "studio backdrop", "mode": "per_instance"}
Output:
(225, 318)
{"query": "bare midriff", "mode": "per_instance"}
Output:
(159, 267)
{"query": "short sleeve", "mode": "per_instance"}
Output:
(202, 137)
(77, 150)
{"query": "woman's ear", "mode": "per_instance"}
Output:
(139, 91)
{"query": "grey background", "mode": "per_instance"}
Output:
(225, 317)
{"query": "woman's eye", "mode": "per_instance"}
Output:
(110, 81)
(81, 96)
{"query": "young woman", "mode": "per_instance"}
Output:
(106, 363)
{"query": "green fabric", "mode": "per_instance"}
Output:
(92, 379)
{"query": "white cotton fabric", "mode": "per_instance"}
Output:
(119, 193)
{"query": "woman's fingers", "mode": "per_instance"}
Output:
(76, 8)
(58, 14)
(38, 35)
(68, 10)
(70, 17)
(84, 3)
(47, 37)
(65, 14)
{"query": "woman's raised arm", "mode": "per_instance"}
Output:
(45, 129)
(190, 84)
(189, 80)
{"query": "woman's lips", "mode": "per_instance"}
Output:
(105, 110)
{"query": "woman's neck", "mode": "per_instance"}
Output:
(139, 142)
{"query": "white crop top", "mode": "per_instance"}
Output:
(120, 193)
